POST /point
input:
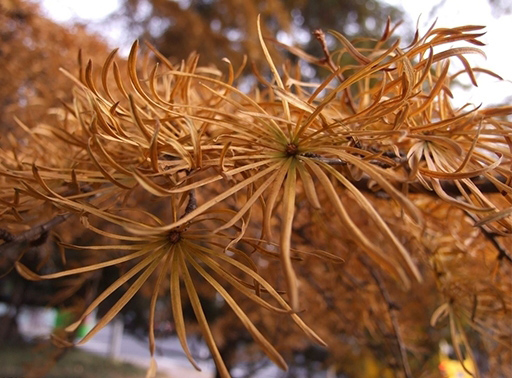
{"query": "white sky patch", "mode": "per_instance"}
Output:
(66, 10)
(452, 13)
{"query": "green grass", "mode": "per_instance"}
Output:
(32, 360)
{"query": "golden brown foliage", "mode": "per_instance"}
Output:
(347, 200)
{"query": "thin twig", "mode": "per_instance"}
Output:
(392, 308)
(502, 252)
(320, 36)
(6, 236)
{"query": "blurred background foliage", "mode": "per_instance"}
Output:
(32, 49)
(226, 28)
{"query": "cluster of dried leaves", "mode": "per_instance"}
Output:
(299, 200)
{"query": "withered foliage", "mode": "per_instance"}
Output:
(355, 211)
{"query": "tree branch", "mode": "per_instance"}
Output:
(449, 186)
(33, 237)
(37, 235)
(192, 203)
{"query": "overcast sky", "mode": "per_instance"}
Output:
(449, 13)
